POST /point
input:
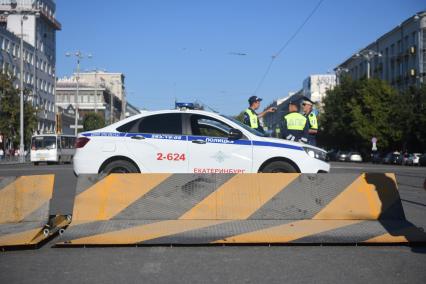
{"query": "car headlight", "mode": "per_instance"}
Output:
(315, 153)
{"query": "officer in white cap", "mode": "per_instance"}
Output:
(312, 121)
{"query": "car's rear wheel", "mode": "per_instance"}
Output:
(120, 166)
(279, 167)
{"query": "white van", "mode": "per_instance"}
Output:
(52, 148)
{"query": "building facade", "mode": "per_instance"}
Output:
(131, 110)
(315, 87)
(91, 98)
(36, 18)
(113, 81)
(397, 57)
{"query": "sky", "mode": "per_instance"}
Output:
(217, 51)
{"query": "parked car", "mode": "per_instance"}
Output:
(377, 158)
(391, 158)
(413, 159)
(402, 159)
(354, 157)
(422, 160)
(332, 155)
(341, 156)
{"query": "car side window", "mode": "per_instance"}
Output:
(168, 123)
(130, 127)
(206, 126)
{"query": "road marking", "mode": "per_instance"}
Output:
(35, 170)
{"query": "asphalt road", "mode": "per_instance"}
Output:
(228, 264)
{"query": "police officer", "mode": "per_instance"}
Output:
(312, 121)
(295, 125)
(251, 118)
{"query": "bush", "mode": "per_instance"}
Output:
(93, 121)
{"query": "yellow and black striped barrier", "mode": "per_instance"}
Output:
(24, 209)
(132, 209)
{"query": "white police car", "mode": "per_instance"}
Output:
(190, 141)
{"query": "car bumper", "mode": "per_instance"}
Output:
(315, 166)
(84, 166)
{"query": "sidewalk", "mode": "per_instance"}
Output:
(13, 161)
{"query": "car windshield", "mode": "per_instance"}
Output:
(246, 127)
(43, 142)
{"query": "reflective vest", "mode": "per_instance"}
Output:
(295, 121)
(313, 122)
(254, 121)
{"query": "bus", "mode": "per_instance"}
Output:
(52, 148)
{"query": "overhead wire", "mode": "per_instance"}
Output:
(284, 46)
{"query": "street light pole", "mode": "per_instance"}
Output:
(21, 114)
(24, 16)
(79, 55)
(96, 91)
(111, 115)
(97, 70)
(76, 97)
(368, 54)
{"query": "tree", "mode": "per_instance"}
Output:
(411, 118)
(10, 112)
(93, 121)
(356, 111)
(240, 116)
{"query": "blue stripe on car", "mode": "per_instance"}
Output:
(215, 140)
(279, 145)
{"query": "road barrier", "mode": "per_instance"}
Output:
(147, 209)
(24, 210)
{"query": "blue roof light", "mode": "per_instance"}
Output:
(184, 105)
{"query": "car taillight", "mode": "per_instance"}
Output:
(81, 142)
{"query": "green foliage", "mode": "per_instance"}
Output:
(10, 111)
(93, 121)
(356, 111)
(240, 117)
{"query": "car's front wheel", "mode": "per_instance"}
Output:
(120, 166)
(279, 167)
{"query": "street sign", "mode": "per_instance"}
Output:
(78, 126)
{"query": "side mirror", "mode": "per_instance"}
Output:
(235, 134)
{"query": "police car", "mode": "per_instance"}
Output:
(190, 141)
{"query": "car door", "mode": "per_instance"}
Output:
(211, 151)
(157, 144)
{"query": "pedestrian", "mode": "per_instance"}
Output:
(295, 125)
(312, 122)
(1, 154)
(251, 118)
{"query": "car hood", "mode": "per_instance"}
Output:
(285, 142)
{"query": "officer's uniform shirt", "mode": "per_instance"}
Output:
(295, 127)
(313, 124)
(251, 119)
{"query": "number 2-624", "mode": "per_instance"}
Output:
(170, 157)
